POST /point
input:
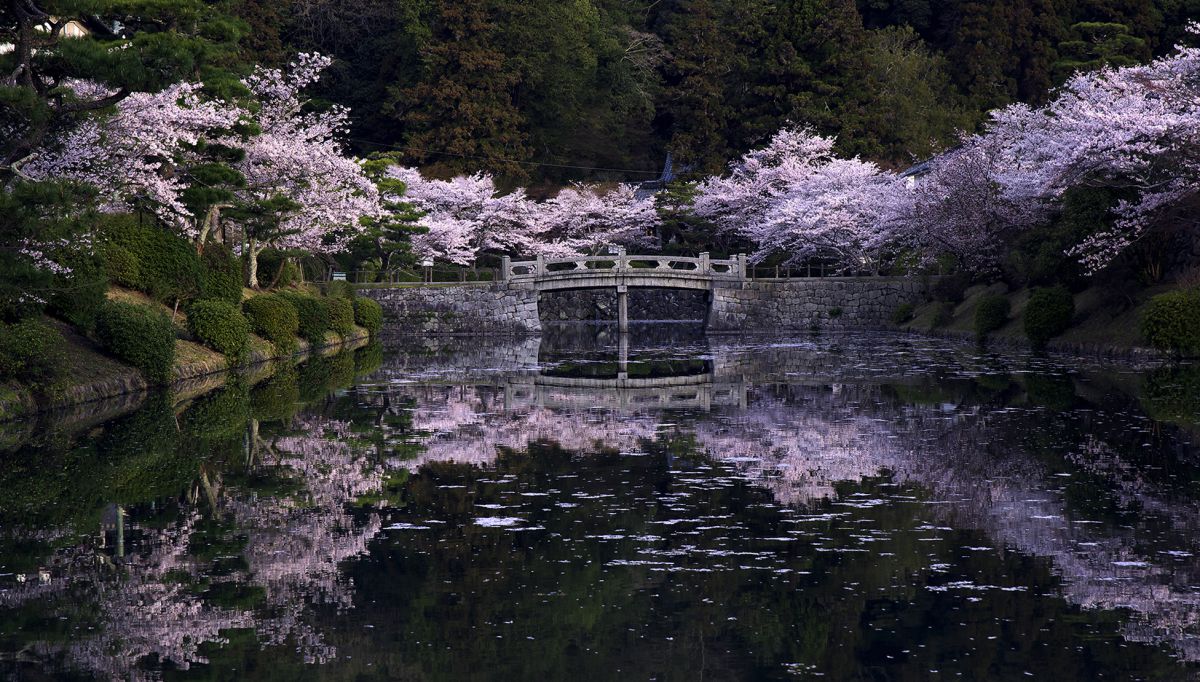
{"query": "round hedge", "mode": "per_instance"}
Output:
(169, 269)
(368, 314)
(220, 325)
(991, 315)
(33, 352)
(140, 336)
(1172, 322)
(273, 317)
(313, 314)
(341, 315)
(1048, 314)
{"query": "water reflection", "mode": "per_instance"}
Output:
(605, 506)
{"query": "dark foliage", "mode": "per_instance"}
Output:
(32, 352)
(222, 275)
(368, 314)
(220, 325)
(991, 315)
(1048, 314)
(274, 318)
(142, 337)
(313, 315)
(341, 315)
(1172, 322)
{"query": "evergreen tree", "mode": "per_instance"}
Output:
(461, 114)
(695, 110)
(129, 46)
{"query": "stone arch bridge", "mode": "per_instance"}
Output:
(736, 302)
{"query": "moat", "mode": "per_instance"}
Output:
(591, 506)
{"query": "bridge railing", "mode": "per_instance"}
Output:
(623, 263)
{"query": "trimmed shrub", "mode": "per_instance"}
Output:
(1048, 314)
(1172, 322)
(168, 267)
(368, 314)
(991, 315)
(32, 352)
(312, 313)
(121, 265)
(273, 317)
(221, 326)
(341, 315)
(221, 278)
(903, 313)
(142, 337)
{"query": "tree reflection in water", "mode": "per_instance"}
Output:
(838, 505)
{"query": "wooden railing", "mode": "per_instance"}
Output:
(624, 264)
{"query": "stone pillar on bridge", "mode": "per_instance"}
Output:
(623, 309)
(623, 357)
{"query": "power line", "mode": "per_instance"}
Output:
(502, 160)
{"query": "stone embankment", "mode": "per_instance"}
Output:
(745, 307)
(459, 309)
(828, 303)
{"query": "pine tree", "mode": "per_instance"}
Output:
(139, 46)
(460, 114)
(695, 111)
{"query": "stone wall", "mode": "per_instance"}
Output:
(796, 305)
(827, 303)
(644, 304)
(461, 309)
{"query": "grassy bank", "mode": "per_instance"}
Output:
(1097, 325)
(88, 372)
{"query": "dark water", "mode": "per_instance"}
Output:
(668, 507)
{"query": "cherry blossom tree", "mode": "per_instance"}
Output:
(761, 179)
(958, 208)
(141, 155)
(583, 219)
(302, 191)
(466, 216)
(796, 197)
(1133, 127)
(286, 185)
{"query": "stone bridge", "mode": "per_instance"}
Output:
(622, 272)
(736, 303)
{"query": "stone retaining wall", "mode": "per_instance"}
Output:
(756, 306)
(463, 309)
(808, 304)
